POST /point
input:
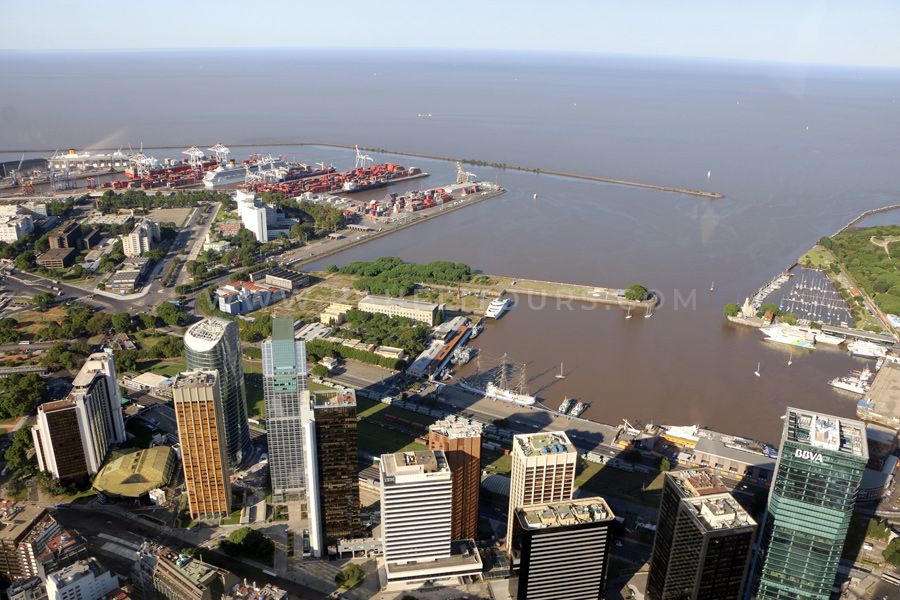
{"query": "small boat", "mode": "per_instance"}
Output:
(628, 316)
(565, 406)
(712, 286)
(649, 314)
(790, 358)
(756, 372)
(560, 375)
(579, 408)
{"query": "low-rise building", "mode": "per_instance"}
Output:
(57, 258)
(90, 239)
(286, 279)
(13, 228)
(334, 314)
(424, 312)
(133, 474)
(27, 588)
(101, 219)
(251, 592)
(241, 297)
(66, 236)
(391, 352)
(163, 573)
(80, 581)
(229, 228)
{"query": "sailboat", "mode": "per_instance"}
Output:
(535, 197)
(561, 375)
(790, 358)
(756, 372)
(649, 314)
(628, 316)
(712, 286)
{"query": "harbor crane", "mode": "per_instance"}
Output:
(195, 156)
(362, 159)
(464, 177)
(221, 153)
(15, 174)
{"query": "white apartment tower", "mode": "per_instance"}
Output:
(543, 471)
(141, 238)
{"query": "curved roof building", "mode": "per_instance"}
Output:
(133, 474)
(215, 343)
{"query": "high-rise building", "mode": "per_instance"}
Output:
(161, 573)
(73, 436)
(96, 393)
(17, 521)
(57, 441)
(288, 414)
(461, 445)
(543, 471)
(563, 550)
(198, 412)
(416, 516)
(337, 462)
(215, 343)
(80, 581)
(820, 466)
(703, 543)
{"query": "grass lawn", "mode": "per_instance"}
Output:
(496, 464)
(377, 411)
(167, 367)
(256, 402)
(643, 488)
(252, 368)
(318, 387)
(378, 440)
(819, 257)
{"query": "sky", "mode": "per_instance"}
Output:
(805, 31)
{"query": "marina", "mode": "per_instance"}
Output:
(813, 298)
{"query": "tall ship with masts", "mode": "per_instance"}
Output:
(500, 388)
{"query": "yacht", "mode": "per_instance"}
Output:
(866, 349)
(857, 382)
(496, 308)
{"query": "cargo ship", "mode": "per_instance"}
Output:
(170, 167)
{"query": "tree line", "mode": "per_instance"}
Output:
(389, 275)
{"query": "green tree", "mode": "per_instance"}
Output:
(332, 268)
(147, 321)
(320, 370)
(21, 393)
(25, 261)
(732, 309)
(351, 577)
(891, 554)
(635, 292)
(171, 314)
(44, 301)
(663, 464)
(122, 322)
(633, 456)
(17, 454)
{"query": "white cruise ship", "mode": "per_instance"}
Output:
(234, 173)
(820, 337)
(496, 308)
(782, 334)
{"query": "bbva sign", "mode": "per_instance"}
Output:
(808, 455)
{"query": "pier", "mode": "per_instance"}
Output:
(661, 188)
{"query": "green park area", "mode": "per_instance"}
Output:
(641, 488)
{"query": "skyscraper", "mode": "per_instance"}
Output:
(703, 543)
(72, 436)
(337, 462)
(820, 466)
(288, 411)
(416, 513)
(215, 343)
(461, 445)
(563, 550)
(543, 471)
(198, 412)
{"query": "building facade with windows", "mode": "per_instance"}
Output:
(288, 412)
(704, 540)
(215, 343)
(543, 471)
(201, 429)
(819, 470)
(461, 444)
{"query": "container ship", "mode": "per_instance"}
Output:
(354, 180)
(170, 167)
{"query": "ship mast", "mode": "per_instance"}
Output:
(503, 362)
(521, 387)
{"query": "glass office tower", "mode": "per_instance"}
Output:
(820, 466)
(215, 343)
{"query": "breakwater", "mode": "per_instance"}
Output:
(862, 216)
(661, 188)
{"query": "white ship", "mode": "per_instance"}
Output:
(781, 334)
(579, 408)
(492, 390)
(565, 406)
(866, 349)
(819, 337)
(476, 329)
(496, 308)
(234, 173)
(856, 382)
